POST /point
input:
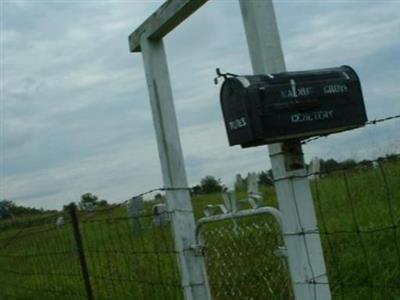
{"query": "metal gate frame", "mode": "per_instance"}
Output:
(305, 254)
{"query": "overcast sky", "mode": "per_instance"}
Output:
(74, 110)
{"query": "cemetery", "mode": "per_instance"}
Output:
(115, 252)
(316, 229)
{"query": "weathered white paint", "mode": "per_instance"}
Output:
(305, 252)
(163, 21)
(306, 261)
(192, 268)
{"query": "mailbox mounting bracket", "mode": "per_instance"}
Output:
(305, 254)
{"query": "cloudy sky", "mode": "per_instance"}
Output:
(74, 110)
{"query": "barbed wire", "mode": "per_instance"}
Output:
(375, 121)
(371, 122)
(306, 174)
(117, 251)
(162, 189)
(366, 231)
(349, 242)
(132, 255)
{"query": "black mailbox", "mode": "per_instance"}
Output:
(264, 109)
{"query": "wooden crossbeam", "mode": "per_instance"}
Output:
(165, 19)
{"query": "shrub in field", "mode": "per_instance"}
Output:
(210, 184)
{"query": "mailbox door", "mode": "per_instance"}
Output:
(233, 102)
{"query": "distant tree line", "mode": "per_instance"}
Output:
(332, 165)
(10, 209)
(266, 177)
(90, 201)
(209, 184)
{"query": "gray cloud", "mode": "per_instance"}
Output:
(75, 115)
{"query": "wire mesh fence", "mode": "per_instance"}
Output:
(38, 260)
(243, 259)
(130, 258)
(359, 218)
(125, 257)
(358, 212)
(359, 222)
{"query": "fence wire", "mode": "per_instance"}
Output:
(377, 121)
(130, 257)
(38, 260)
(126, 257)
(243, 262)
(358, 212)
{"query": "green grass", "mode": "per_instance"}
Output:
(356, 213)
(362, 212)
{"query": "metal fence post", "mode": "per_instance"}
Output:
(305, 255)
(80, 250)
(191, 265)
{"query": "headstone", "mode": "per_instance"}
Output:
(239, 181)
(60, 221)
(135, 209)
(160, 215)
(314, 168)
(254, 196)
(252, 184)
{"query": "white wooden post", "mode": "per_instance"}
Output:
(192, 268)
(305, 256)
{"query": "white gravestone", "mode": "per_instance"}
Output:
(135, 209)
(160, 215)
(254, 195)
(252, 183)
(60, 221)
(314, 168)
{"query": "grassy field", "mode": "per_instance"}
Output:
(358, 213)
